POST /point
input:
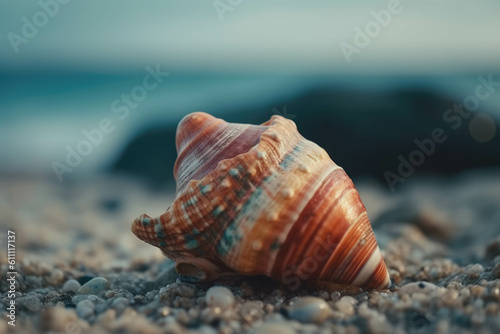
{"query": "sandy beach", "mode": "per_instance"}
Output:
(439, 238)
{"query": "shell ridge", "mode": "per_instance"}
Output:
(291, 140)
(309, 212)
(336, 260)
(260, 200)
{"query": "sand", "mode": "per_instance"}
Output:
(440, 239)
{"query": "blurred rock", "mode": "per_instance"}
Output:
(71, 286)
(309, 310)
(94, 286)
(219, 296)
(378, 126)
(493, 249)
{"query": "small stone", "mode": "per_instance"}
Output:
(93, 298)
(151, 294)
(251, 312)
(56, 277)
(110, 294)
(218, 296)
(185, 290)
(274, 328)
(492, 308)
(449, 296)
(94, 286)
(52, 298)
(30, 302)
(474, 271)
(323, 295)
(85, 309)
(164, 311)
(309, 310)
(417, 287)
(346, 305)
(495, 293)
(496, 270)
(476, 290)
(335, 296)
(493, 249)
(71, 286)
(120, 303)
(436, 224)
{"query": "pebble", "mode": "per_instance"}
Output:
(493, 249)
(71, 286)
(449, 296)
(52, 298)
(187, 291)
(93, 298)
(251, 312)
(30, 302)
(56, 277)
(94, 286)
(182, 317)
(219, 296)
(417, 287)
(151, 294)
(474, 271)
(120, 303)
(346, 305)
(85, 309)
(309, 310)
(476, 290)
(492, 308)
(496, 270)
(274, 328)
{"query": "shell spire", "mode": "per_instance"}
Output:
(262, 200)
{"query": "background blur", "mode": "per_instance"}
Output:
(363, 79)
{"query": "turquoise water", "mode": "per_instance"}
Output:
(42, 113)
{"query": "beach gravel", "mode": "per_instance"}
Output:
(81, 270)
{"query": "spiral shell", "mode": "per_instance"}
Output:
(262, 200)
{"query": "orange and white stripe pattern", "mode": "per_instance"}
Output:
(262, 200)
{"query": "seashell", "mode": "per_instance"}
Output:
(262, 200)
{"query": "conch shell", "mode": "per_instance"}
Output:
(262, 200)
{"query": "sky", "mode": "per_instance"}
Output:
(254, 36)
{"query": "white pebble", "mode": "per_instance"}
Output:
(71, 286)
(274, 328)
(346, 305)
(219, 296)
(56, 276)
(417, 287)
(309, 310)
